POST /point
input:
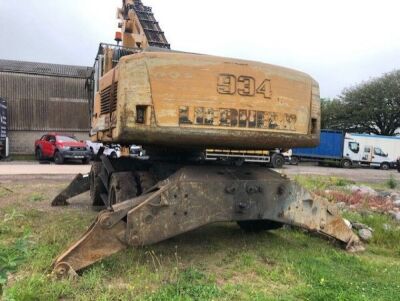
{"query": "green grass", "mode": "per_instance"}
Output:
(217, 262)
(36, 197)
(314, 183)
(391, 182)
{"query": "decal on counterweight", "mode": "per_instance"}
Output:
(236, 118)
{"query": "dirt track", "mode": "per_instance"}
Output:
(50, 172)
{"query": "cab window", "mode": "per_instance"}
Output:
(51, 139)
(354, 147)
(379, 152)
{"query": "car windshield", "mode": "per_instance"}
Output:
(65, 139)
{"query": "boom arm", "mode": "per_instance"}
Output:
(139, 28)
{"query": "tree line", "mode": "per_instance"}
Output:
(371, 107)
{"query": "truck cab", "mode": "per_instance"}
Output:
(365, 153)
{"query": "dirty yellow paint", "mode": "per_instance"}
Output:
(198, 101)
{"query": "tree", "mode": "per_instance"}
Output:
(332, 112)
(371, 107)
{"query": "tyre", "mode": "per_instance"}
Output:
(123, 186)
(259, 226)
(385, 166)
(277, 161)
(295, 160)
(96, 185)
(346, 163)
(58, 158)
(113, 155)
(85, 161)
(92, 155)
(38, 154)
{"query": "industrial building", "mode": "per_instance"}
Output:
(44, 98)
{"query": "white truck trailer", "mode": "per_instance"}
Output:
(349, 150)
(372, 150)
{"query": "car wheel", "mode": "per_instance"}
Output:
(385, 166)
(114, 155)
(38, 154)
(85, 161)
(346, 163)
(295, 160)
(58, 158)
(92, 154)
(277, 161)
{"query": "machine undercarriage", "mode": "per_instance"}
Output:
(150, 202)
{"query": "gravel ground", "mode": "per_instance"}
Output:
(367, 175)
(35, 171)
(34, 168)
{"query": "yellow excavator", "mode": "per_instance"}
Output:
(177, 106)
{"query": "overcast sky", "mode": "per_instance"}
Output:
(340, 43)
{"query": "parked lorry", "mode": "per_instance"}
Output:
(4, 148)
(272, 158)
(349, 150)
(372, 150)
(178, 105)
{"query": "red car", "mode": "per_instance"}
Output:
(61, 147)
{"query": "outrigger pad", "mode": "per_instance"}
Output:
(79, 185)
(196, 196)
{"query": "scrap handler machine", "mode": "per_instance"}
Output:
(177, 105)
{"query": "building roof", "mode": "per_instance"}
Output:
(45, 69)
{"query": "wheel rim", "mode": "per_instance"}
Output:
(279, 162)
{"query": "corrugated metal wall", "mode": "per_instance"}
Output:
(45, 103)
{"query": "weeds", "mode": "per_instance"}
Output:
(391, 182)
(11, 257)
(191, 285)
(36, 197)
(4, 191)
(315, 183)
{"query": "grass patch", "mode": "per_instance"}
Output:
(4, 191)
(315, 183)
(36, 197)
(217, 262)
(11, 257)
(191, 285)
(391, 182)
